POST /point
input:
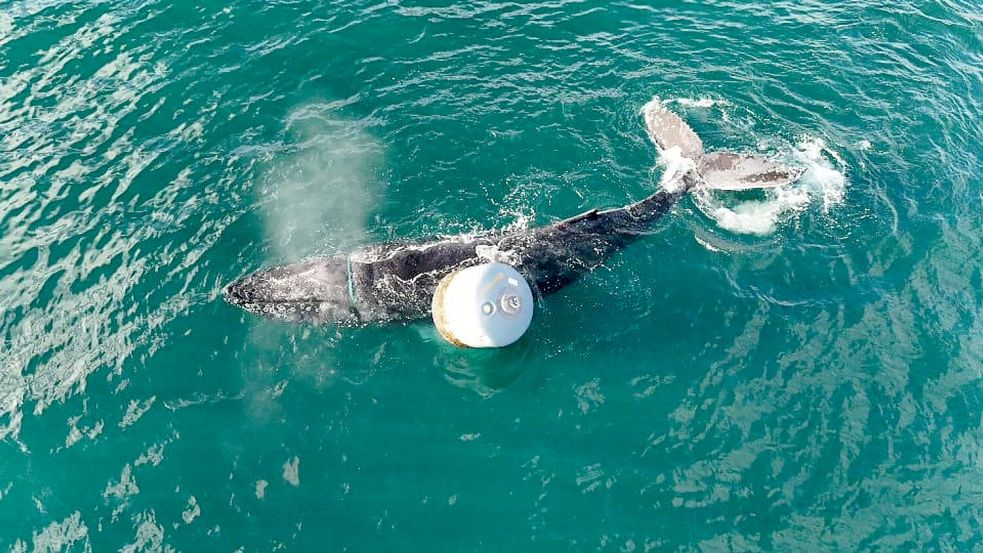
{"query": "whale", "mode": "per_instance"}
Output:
(396, 281)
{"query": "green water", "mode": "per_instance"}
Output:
(792, 371)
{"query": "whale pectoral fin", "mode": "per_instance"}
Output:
(730, 171)
(669, 131)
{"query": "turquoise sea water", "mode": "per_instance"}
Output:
(795, 371)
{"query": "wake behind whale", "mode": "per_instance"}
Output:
(396, 281)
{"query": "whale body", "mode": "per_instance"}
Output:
(396, 281)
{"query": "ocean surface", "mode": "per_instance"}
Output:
(797, 370)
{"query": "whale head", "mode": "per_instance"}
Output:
(316, 290)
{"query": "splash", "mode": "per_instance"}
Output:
(699, 102)
(824, 176)
(675, 167)
(753, 217)
(823, 183)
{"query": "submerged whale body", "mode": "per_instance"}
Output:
(396, 281)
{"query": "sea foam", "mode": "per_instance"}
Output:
(822, 184)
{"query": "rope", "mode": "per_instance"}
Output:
(351, 280)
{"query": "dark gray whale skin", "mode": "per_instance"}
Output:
(396, 281)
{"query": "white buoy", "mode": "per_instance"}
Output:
(485, 306)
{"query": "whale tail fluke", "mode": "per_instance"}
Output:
(730, 171)
(715, 170)
(667, 130)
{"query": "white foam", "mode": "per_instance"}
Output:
(6, 25)
(698, 102)
(676, 166)
(706, 244)
(754, 217)
(823, 184)
(823, 178)
(492, 253)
